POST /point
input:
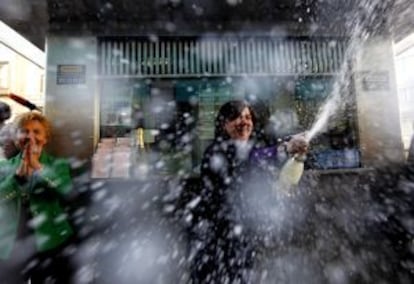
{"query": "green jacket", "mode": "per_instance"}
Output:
(50, 224)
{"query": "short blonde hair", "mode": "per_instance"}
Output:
(26, 117)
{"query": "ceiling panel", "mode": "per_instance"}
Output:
(32, 17)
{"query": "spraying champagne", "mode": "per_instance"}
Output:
(292, 170)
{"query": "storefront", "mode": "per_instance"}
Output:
(167, 71)
(171, 87)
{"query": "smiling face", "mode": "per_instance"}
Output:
(32, 132)
(241, 127)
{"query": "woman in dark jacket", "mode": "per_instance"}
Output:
(223, 249)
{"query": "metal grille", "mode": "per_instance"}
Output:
(137, 57)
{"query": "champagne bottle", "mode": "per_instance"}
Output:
(291, 172)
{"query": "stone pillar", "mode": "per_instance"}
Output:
(71, 95)
(377, 103)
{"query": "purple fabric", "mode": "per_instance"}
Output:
(268, 154)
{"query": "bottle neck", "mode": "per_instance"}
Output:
(299, 158)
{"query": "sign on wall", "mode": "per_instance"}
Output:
(375, 81)
(70, 74)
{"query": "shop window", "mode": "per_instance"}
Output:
(286, 105)
(127, 105)
(123, 107)
(178, 118)
(336, 146)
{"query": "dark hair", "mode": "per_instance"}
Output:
(228, 112)
(5, 111)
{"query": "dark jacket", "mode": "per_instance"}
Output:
(224, 244)
(42, 192)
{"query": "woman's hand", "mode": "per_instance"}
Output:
(33, 156)
(23, 168)
(30, 160)
(298, 144)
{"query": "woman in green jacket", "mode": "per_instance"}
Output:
(31, 185)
